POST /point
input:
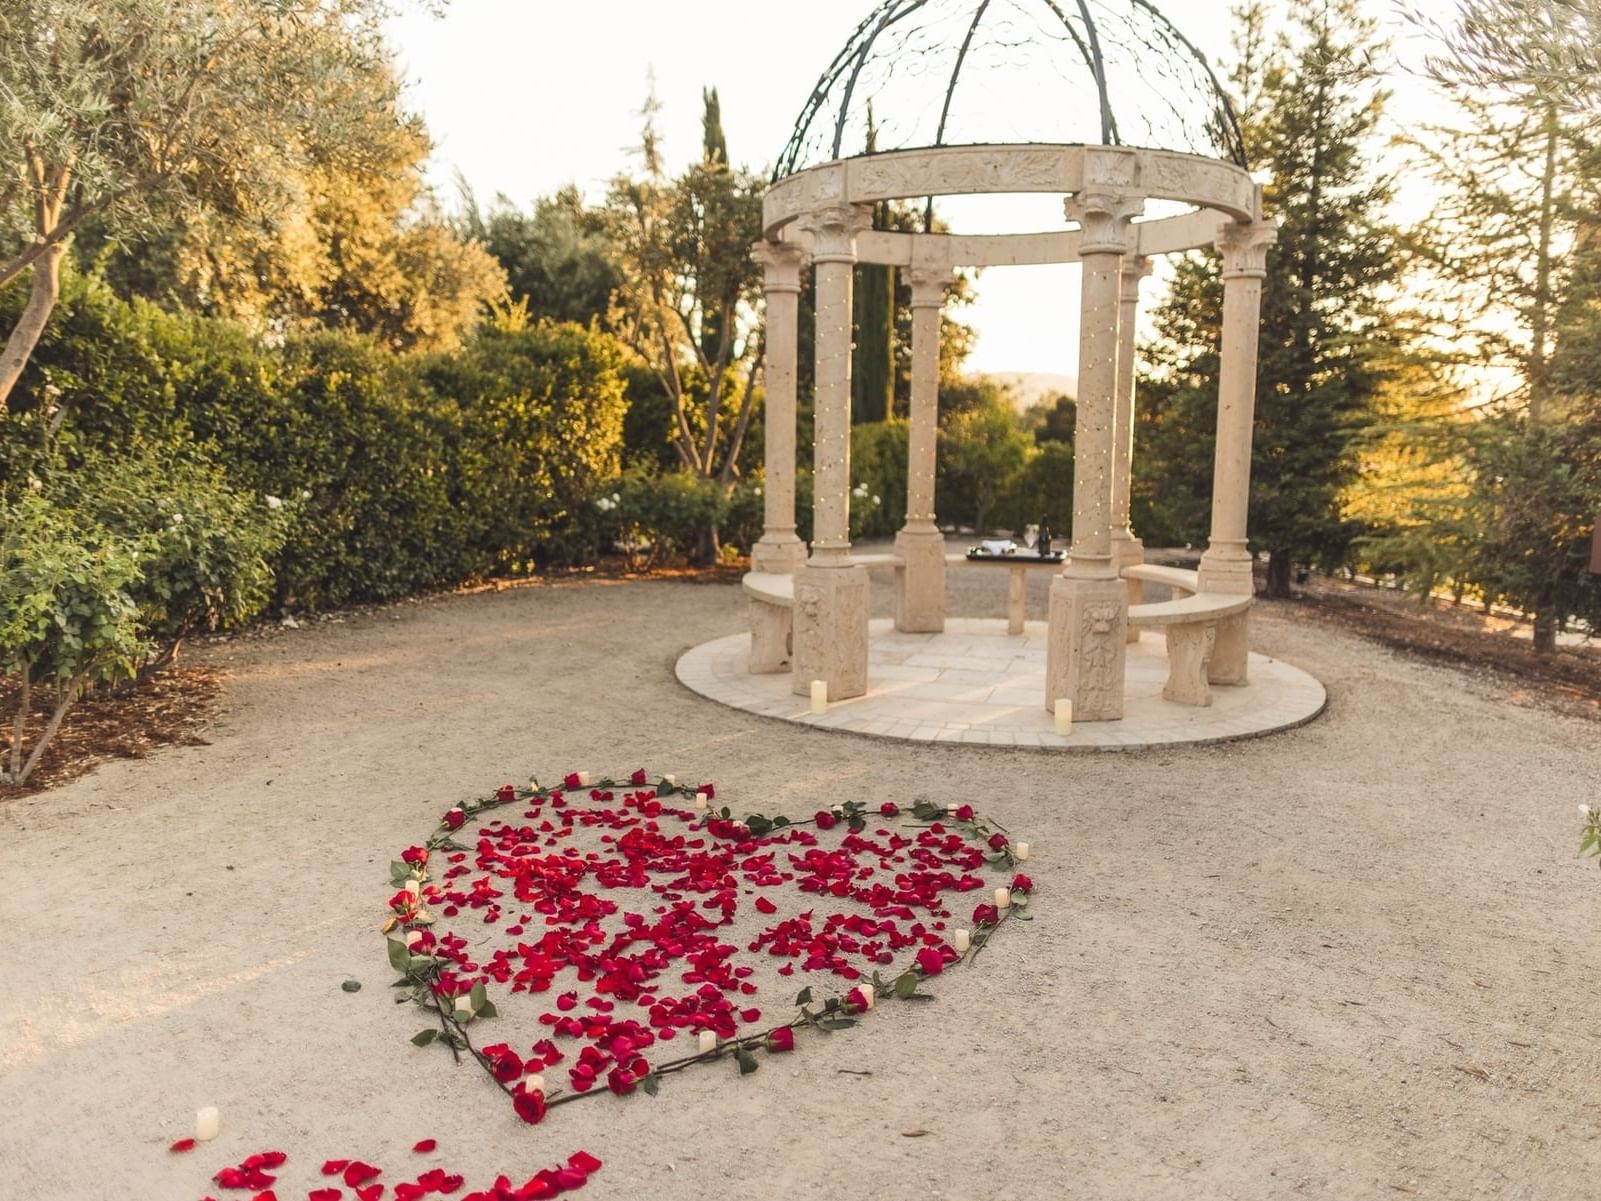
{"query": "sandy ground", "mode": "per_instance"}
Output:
(1355, 960)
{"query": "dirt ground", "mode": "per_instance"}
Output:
(1354, 960)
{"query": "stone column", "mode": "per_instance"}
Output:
(1226, 565)
(920, 582)
(831, 590)
(1089, 606)
(779, 549)
(1127, 550)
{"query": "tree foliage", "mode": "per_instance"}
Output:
(1328, 337)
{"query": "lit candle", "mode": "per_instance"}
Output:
(583, 779)
(207, 1123)
(1064, 717)
(819, 696)
(1003, 898)
(867, 994)
(700, 800)
(1021, 850)
(708, 1041)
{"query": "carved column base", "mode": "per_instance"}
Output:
(770, 637)
(920, 583)
(1189, 653)
(1232, 657)
(830, 641)
(1128, 551)
(781, 554)
(1086, 646)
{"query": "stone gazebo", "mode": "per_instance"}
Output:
(1104, 103)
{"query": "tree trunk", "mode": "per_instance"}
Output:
(1279, 569)
(25, 335)
(1545, 633)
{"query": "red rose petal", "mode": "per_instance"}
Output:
(334, 1166)
(358, 1173)
(183, 1144)
(763, 905)
(423, 1146)
(584, 1161)
(326, 1194)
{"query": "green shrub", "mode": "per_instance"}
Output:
(540, 413)
(67, 614)
(654, 518)
(878, 469)
(203, 547)
(1041, 493)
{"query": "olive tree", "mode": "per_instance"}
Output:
(137, 113)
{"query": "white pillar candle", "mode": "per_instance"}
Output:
(1064, 717)
(1003, 898)
(701, 800)
(413, 937)
(671, 779)
(534, 1084)
(867, 994)
(464, 1008)
(1021, 851)
(950, 810)
(583, 779)
(207, 1123)
(413, 886)
(708, 1041)
(962, 940)
(819, 696)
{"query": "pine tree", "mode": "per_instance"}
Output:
(1514, 249)
(1327, 338)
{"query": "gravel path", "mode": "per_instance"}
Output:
(1355, 960)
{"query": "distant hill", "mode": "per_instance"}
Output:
(1030, 388)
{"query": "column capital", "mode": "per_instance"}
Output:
(1104, 215)
(1244, 246)
(781, 264)
(834, 229)
(1135, 268)
(928, 285)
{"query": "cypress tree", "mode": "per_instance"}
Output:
(873, 364)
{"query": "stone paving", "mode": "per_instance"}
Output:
(974, 683)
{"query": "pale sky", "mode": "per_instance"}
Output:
(523, 96)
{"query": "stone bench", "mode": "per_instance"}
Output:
(1191, 623)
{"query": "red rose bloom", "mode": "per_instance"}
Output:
(985, 915)
(570, 781)
(1021, 883)
(529, 1104)
(506, 793)
(889, 809)
(782, 1039)
(416, 856)
(454, 818)
(825, 820)
(964, 813)
(637, 778)
(503, 1063)
(997, 841)
(710, 792)
(856, 1000)
(931, 961)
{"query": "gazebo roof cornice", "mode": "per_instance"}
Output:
(973, 170)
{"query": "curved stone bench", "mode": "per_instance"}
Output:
(772, 620)
(1178, 578)
(1191, 624)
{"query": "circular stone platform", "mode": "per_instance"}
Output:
(976, 684)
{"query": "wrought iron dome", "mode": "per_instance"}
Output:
(929, 73)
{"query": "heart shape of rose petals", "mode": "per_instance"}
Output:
(622, 902)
